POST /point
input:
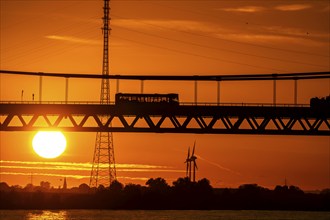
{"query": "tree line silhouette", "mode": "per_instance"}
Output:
(158, 194)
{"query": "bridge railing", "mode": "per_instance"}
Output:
(55, 102)
(241, 104)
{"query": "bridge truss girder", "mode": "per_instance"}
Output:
(166, 119)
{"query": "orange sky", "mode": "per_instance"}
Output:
(168, 38)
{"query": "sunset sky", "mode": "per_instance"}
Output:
(174, 37)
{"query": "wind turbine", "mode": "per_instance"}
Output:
(188, 162)
(193, 159)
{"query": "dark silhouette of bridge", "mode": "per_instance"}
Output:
(218, 118)
(202, 119)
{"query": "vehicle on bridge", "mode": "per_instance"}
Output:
(137, 98)
(318, 103)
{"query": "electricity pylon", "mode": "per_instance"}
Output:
(104, 167)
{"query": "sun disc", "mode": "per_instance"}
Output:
(49, 144)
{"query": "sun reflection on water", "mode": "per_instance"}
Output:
(47, 215)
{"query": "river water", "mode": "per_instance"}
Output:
(159, 215)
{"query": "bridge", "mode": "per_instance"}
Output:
(201, 118)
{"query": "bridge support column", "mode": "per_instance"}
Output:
(218, 92)
(295, 91)
(40, 88)
(274, 89)
(196, 92)
(66, 90)
(142, 86)
(117, 86)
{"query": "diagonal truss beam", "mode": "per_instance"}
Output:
(166, 119)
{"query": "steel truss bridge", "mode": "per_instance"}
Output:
(267, 120)
(195, 117)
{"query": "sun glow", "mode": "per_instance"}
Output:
(49, 144)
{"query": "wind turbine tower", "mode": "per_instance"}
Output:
(193, 160)
(191, 163)
(188, 167)
(104, 168)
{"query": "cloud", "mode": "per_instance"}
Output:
(56, 169)
(44, 163)
(80, 165)
(326, 8)
(273, 38)
(45, 174)
(44, 168)
(133, 178)
(68, 175)
(293, 7)
(289, 31)
(74, 40)
(245, 9)
(151, 170)
(254, 9)
(169, 24)
(68, 166)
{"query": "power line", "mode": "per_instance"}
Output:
(203, 56)
(239, 21)
(222, 49)
(234, 41)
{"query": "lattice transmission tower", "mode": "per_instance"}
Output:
(104, 167)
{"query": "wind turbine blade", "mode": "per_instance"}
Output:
(193, 152)
(188, 153)
(195, 164)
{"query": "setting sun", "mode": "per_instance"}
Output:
(49, 144)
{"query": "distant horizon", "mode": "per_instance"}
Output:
(60, 187)
(159, 195)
